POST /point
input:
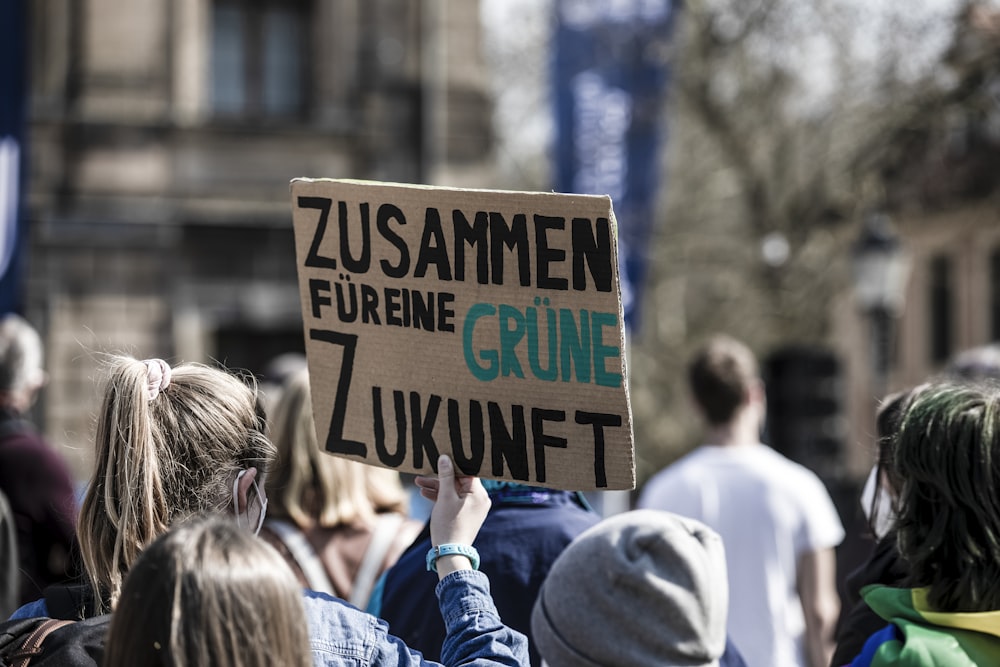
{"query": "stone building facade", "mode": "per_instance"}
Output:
(162, 138)
(939, 178)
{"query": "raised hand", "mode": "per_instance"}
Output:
(460, 507)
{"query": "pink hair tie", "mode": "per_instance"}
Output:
(157, 377)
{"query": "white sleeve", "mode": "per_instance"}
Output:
(821, 525)
(670, 493)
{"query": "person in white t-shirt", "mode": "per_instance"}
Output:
(776, 519)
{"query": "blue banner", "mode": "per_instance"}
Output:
(611, 73)
(13, 105)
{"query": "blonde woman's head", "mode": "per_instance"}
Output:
(209, 593)
(170, 443)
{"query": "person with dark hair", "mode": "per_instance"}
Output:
(776, 519)
(207, 592)
(884, 565)
(945, 466)
(33, 475)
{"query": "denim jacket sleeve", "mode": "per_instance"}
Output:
(475, 633)
(342, 636)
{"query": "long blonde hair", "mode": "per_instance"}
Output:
(162, 459)
(311, 487)
(209, 593)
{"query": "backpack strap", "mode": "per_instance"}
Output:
(386, 527)
(304, 555)
(32, 645)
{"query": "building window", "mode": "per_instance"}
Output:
(259, 56)
(941, 308)
(995, 295)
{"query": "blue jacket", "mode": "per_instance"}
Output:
(524, 532)
(343, 636)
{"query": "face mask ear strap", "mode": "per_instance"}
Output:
(236, 495)
(236, 502)
(263, 507)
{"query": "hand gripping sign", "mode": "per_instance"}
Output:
(481, 324)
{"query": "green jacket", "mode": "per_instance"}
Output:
(921, 637)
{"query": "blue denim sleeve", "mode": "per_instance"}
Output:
(475, 634)
(342, 636)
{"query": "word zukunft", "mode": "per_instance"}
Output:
(494, 240)
(526, 435)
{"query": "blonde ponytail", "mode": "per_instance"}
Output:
(161, 457)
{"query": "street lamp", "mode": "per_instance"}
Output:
(881, 269)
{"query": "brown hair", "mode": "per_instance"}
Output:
(314, 488)
(720, 376)
(209, 593)
(163, 459)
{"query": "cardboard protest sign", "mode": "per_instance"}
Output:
(481, 324)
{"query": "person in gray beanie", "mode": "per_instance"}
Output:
(642, 588)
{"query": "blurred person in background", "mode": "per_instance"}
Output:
(777, 521)
(338, 523)
(276, 374)
(33, 475)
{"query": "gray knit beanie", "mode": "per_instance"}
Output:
(643, 588)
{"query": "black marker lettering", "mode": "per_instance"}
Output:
(595, 251)
(369, 305)
(335, 441)
(395, 459)
(514, 237)
(316, 286)
(314, 259)
(387, 212)
(433, 249)
(475, 236)
(471, 464)
(509, 446)
(445, 314)
(423, 429)
(362, 263)
(542, 439)
(599, 421)
(546, 255)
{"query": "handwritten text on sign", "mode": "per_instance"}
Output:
(485, 325)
